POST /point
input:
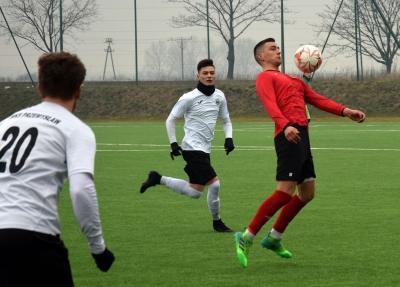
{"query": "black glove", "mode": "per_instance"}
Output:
(104, 260)
(229, 146)
(175, 150)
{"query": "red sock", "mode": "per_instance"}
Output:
(267, 209)
(289, 211)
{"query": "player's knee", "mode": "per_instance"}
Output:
(214, 188)
(193, 193)
(309, 197)
(306, 197)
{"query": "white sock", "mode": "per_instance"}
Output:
(250, 235)
(180, 186)
(275, 234)
(213, 200)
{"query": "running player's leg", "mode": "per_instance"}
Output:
(214, 205)
(193, 189)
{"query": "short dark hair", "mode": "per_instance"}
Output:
(60, 75)
(259, 45)
(204, 63)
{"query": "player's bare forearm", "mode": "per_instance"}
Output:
(354, 115)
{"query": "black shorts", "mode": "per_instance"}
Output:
(295, 162)
(32, 259)
(198, 167)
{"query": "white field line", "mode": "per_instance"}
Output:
(271, 128)
(362, 131)
(313, 130)
(237, 148)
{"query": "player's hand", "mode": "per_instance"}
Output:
(354, 115)
(229, 146)
(104, 260)
(175, 150)
(292, 135)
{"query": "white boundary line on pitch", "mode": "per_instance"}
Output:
(164, 145)
(358, 131)
(255, 149)
(252, 147)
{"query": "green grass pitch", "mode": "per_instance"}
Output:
(347, 236)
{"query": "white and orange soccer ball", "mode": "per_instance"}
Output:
(308, 58)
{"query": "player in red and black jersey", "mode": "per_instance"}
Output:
(284, 99)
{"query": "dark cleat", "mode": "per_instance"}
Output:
(219, 226)
(153, 179)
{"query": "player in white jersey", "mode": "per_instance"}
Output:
(200, 108)
(40, 147)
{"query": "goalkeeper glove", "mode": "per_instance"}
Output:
(104, 260)
(229, 146)
(175, 150)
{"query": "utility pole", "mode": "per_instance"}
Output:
(208, 31)
(181, 41)
(109, 50)
(136, 48)
(359, 41)
(51, 25)
(282, 39)
(356, 36)
(61, 28)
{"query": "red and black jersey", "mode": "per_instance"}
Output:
(284, 97)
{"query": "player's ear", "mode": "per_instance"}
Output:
(77, 94)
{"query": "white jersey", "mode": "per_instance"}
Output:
(201, 112)
(40, 146)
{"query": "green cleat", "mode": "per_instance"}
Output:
(243, 244)
(276, 246)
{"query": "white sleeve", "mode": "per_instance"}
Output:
(226, 121)
(181, 106)
(81, 151)
(227, 124)
(84, 202)
(170, 124)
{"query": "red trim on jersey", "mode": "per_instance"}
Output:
(284, 99)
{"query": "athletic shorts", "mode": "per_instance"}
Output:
(295, 162)
(198, 167)
(33, 259)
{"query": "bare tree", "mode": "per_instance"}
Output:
(193, 53)
(38, 21)
(376, 41)
(218, 53)
(163, 59)
(245, 65)
(157, 66)
(229, 18)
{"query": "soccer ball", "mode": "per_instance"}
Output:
(308, 58)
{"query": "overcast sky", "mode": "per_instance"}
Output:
(117, 22)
